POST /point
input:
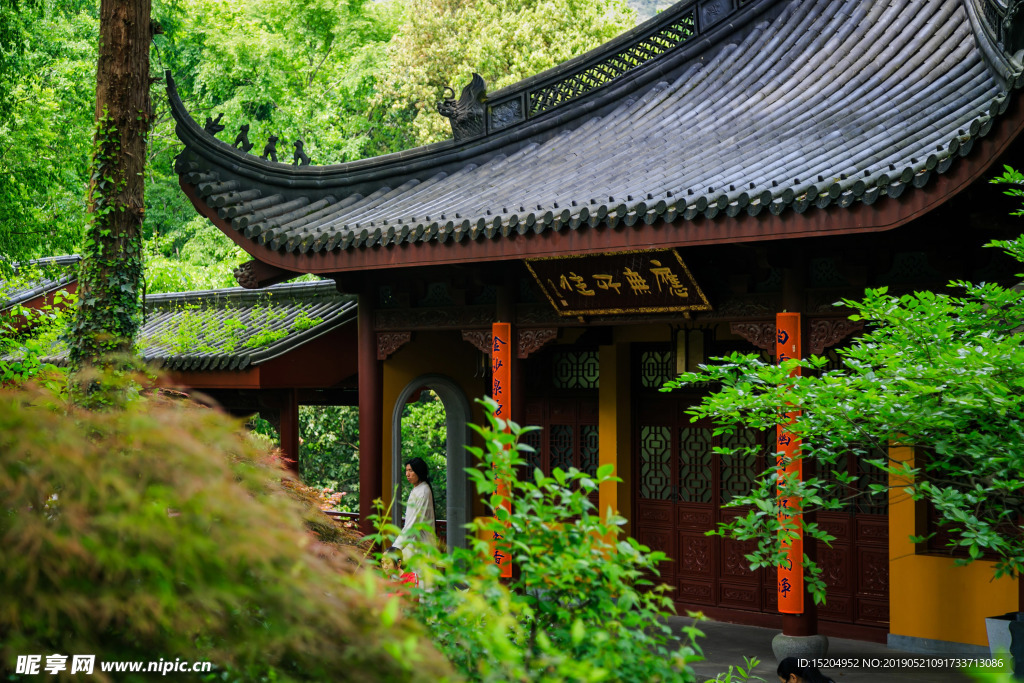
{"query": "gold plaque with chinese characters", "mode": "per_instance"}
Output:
(654, 281)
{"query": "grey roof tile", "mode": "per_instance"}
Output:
(54, 273)
(234, 329)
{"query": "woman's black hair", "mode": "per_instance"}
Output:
(807, 674)
(419, 466)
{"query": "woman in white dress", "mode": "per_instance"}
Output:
(419, 510)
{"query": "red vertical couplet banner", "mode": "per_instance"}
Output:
(501, 392)
(791, 574)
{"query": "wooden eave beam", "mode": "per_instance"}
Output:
(214, 379)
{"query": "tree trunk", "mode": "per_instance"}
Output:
(107, 318)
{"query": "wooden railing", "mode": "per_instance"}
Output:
(441, 524)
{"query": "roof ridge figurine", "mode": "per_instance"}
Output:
(214, 126)
(467, 114)
(301, 158)
(242, 139)
(270, 150)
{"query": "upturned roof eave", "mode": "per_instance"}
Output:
(886, 214)
(870, 147)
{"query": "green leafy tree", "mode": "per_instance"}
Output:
(942, 373)
(583, 605)
(443, 42)
(353, 79)
(109, 280)
(329, 451)
(295, 70)
(203, 259)
(47, 72)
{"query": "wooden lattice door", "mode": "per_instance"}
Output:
(856, 566)
(562, 400)
(680, 486)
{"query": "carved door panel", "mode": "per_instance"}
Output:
(856, 566)
(562, 399)
(681, 484)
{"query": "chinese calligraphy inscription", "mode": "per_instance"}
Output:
(501, 392)
(790, 571)
(627, 282)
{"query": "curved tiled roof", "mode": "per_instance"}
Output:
(234, 329)
(781, 106)
(55, 273)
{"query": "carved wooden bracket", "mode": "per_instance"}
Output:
(531, 340)
(256, 274)
(481, 339)
(760, 334)
(389, 342)
(826, 332)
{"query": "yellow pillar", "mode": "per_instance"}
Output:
(614, 429)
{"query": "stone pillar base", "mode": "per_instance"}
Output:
(806, 647)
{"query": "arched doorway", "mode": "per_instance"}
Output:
(456, 409)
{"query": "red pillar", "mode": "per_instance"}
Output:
(793, 262)
(289, 431)
(502, 392)
(799, 610)
(371, 419)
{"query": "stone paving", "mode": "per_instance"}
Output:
(724, 644)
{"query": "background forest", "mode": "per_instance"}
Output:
(351, 78)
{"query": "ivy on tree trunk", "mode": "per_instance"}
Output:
(107, 318)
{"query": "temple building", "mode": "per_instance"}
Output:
(641, 208)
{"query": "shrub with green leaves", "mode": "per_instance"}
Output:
(942, 373)
(582, 606)
(159, 529)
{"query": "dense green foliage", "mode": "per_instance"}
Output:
(329, 451)
(28, 336)
(940, 372)
(158, 529)
(47, 92)
(443, 42)
(344, 76)
(582, 606)
(196, 257)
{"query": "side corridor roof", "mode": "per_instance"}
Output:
(234, 329)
